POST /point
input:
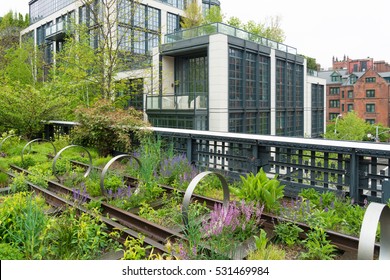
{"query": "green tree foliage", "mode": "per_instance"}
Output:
(348, 127)
(25, 100)
(269, 29)
(214, 14)
(235, 22)
(378, 132)
(311, 63)
(12, 19)
(24, 107)
(10, 26)
(78, 69)
(193, 16)
(21, 64)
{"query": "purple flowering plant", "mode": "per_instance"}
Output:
(240, 220)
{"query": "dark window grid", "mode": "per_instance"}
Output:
(334, 91)
(236, 122)
(264, 120)
(143, 17)
(172, 23)
(370, 93)
(334, 103)
(280, 123)
(370, 108)
(250, 123)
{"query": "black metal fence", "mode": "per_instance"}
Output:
(358, 169)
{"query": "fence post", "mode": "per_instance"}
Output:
(354, 175)
(385, 191)
(189, 149)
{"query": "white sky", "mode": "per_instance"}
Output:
(319, 29)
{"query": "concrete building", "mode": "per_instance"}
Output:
(213, 77)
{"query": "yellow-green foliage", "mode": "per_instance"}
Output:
(259, 188)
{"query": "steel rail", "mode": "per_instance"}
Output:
(60, 202)
(130, 220)
(343, 242)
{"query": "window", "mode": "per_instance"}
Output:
(350, 107)
(370, 108)
(336, 78)
(334, 103)
(334, 90)
(236, 122)
(370, 93)
(333, 116)
(353, 79)
(250, 84)
(342, 107)
(350, 94)
(370, 79)
(172, 23)
(370, 121)
(236, 72)
(342, 94)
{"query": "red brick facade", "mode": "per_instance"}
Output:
(368, 96)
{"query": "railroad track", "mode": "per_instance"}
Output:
(128, 223)
(157, 235)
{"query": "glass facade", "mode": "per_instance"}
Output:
(249, 92)
(317, 107)
(289, 98)
(191, 76)
(42, 8)
(138, 27)
(173, 23)
(180, 4)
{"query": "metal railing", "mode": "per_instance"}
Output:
(215, 28)
(193, 102)
(356, 169)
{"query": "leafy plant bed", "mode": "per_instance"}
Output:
(30, 233)
(150, 200)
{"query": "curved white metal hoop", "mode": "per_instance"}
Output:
(67, 147)
(375, 213)
(191, 187)
(105, 169)
(37, 140)
(5, 139)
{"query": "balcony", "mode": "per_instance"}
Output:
(221, 28)
(56, 31)
(188, 102)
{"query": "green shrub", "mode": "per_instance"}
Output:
(23, 222)
(4, 179)
(8, 252)
(81, 237)
(265, 250)
(28, 161)
(107, 128)
(260, 188)
(18, 183)
(317, 246)
(287, 233)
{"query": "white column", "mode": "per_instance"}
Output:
(218, 83)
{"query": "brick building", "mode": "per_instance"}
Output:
(365, 91)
